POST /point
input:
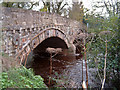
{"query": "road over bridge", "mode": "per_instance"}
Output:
(25, 30)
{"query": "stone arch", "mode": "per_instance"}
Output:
(51, 32)
(37, 39)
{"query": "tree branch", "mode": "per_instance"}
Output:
(104, 67)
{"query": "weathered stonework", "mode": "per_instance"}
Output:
(23, 30)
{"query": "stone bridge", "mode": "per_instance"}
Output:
(25, 30)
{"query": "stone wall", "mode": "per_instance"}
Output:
(15, 18)
(19, 26)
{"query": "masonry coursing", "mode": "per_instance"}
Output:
(19, 26)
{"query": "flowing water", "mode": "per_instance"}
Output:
(66, 71)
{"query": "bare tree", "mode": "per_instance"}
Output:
(112, 7)
(54, 7)
(25, 5)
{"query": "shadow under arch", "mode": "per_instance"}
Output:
(53, 42)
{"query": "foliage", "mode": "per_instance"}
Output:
(97, 49)
(105, 26)
(21, 78)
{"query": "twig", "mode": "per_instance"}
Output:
(104, 68)
(55, 54)
(85, 58)
(82, 70)
(50, 68)
(86, 66)
(51, 65)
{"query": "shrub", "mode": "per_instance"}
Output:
(21, 78)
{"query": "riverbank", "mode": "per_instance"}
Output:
(15, 76)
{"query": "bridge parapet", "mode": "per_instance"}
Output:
(14, 18)
(19, 26)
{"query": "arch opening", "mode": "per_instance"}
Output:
(52, 42)
(40, 58)
(40, 50)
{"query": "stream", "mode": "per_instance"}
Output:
(66, 71)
